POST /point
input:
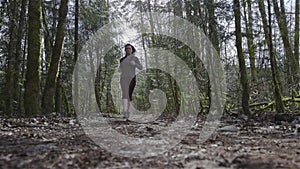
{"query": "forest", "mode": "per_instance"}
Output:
(250, 46)
(258, 45)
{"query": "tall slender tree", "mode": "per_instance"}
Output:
(12, 13)
(32, 97)
(20, 37)
(212, 25)
(282, 23)
(241, 59)
(49, 90)
(247, 5)
(268, 36)
(76, 45)
(296, 37)
(277, 93)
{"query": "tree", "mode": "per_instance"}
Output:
(292, 65)
(275, 74)
(250, 38)
(12, 14)
(242, 66)
(50, 87)
(16, 34)
(76, 45)
(277, 93)
(212, 25)
(32, 97)
(296, 37)
(20, 37)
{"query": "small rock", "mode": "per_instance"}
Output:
(228, 129)
(72, 122)
(40, 147)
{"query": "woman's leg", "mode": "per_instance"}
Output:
(131, 88)
(125, 95)
(125, 105)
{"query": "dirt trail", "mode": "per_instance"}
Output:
(265, 141)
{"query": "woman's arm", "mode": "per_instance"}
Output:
(138, 63)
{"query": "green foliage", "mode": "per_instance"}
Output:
(93, 15)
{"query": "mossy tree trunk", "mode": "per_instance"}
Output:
(275, 73)
(20, 37)
(16, 34)
(10, 73)
(296, 38)
(277, 93)
(49, 91)
(32, 97)
(241, 59)
(249, 35)
(212, 25)
(292, 67)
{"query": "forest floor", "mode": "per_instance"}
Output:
(263, 141)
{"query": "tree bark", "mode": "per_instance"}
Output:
(76, 33)
(32, 100)
(58, 94)
(10, 73)
(212, 25)
(48, 42)
(262, 10)
(296, 38)
(277, 93)
(50, 87)
(249, 35)
(275, 73)
(282, 23)
(242, 66)
(20, 36)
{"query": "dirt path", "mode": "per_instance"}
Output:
(267, 141)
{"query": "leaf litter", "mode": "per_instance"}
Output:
(258, 142)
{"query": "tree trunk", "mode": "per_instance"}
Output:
(242, 66)
(282, 23)
(20, 36)
(212, 25)
(262, 10)
(98, 87)
(58, 94)
(275, 73)
(188, 10)
(196, 10)
(49, 90)
(48, 42)
(32, 100)
(202, 15)
(21, 108)
(178, 8)
(296, 39)
(249, 35)
(277, 93)
(91, 79)
(10, 73)
(76, 33)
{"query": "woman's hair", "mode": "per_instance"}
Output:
(133, 48)
(133, 51)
